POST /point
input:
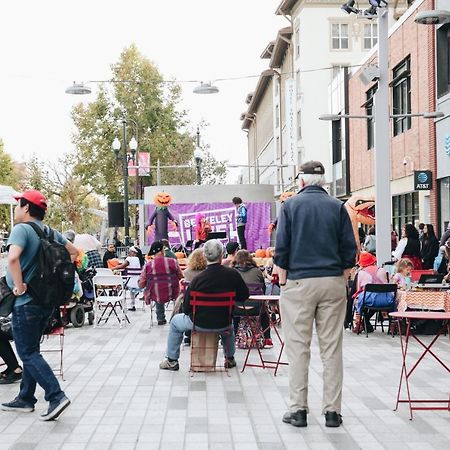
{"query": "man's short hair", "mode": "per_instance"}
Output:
(34, 211)
(213, 250)
(237, 200)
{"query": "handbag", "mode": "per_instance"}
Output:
(7, 298)
(375, 300)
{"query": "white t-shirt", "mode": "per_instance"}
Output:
(133, 271)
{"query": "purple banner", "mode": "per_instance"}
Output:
(222, 217)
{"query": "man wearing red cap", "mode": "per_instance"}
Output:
(29, 318)
(315, 249)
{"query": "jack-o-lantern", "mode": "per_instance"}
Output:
(285, 195)
(260, 253)
(162, 199)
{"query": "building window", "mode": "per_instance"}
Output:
(405, 209)
(401, 96)
(339, 36)
(299, 125)
(444, 202)
(443, 60)
(370, 35)
(297, 42)
(370, 112)
(277, 116)
(297, 86)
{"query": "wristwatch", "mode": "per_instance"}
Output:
(282, 284)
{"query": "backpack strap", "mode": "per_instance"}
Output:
(40, 233)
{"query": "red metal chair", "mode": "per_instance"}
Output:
(56, 332)
(415, 274)
(224, 304)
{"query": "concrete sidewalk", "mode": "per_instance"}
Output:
(121, 400)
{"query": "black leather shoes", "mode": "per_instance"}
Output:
(333, 419)
(297, 419)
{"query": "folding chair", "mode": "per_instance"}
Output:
(204, 344)
(109, 295)
(415, 274)
(103, 271)
(377, 289)
(164, 281)
(59, 331)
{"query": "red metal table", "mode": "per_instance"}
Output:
(265, 364)
(404, 341)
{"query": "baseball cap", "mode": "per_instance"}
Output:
(232, 247)
(35, 197)
(311, 168)
(155, 248)
(132, 249)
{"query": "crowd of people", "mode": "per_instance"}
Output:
(311, 275)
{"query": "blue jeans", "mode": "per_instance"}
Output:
(28, 324)
(182, 323)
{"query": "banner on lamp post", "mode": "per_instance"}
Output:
(290, 135)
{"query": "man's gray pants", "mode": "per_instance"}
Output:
(302, 302)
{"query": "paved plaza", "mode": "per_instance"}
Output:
(121, 400)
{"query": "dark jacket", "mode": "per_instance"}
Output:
(107, 256)
(214, 279)
(430, 249)
(314, 236)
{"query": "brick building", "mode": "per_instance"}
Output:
(413, 139)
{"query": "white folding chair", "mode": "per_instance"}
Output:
(103, 271)
(109, 298)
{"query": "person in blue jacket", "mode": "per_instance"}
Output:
(241, 221)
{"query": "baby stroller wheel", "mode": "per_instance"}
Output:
(77, 316)
(91, 317)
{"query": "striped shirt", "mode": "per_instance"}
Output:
(160, 279)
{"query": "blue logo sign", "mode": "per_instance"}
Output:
(422, 180)
(422, 177)
(447, 144)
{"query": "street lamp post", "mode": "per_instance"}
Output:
(125, 159)
(198, 156)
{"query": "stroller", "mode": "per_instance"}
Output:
(74, 311)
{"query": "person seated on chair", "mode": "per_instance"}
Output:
(368, 273)
(403, 275)
(214, 279)
(231, 249)
(133, 266)
(13, 371)
(161, 292)
(168, 253)
(247, 268)
(109, 254)
(196, 264)
(202, 229)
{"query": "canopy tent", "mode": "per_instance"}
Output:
(7, 194)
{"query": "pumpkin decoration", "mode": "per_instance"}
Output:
(162, 199)
(285, 195)
(113, 263)
(180, 255)
(260, 253)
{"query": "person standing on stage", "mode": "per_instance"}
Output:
(241, 221)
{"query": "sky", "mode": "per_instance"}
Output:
(46, 45)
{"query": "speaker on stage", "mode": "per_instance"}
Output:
(115, 214)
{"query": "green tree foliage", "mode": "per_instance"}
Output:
(139, 93)
(9, 176)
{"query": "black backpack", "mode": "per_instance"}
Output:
(53, 284)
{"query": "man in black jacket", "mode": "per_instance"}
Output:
(214, 279)
(315, 250)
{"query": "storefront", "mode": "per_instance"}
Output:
(405, 209)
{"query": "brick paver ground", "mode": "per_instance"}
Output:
(121, 400)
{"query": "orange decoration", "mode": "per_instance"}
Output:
(180, 255)
(162, 199)
(260, 253)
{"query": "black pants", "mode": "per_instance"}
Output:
(7, 353)
(241, 236)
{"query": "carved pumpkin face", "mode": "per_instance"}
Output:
(285, 195)
(162, 199)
